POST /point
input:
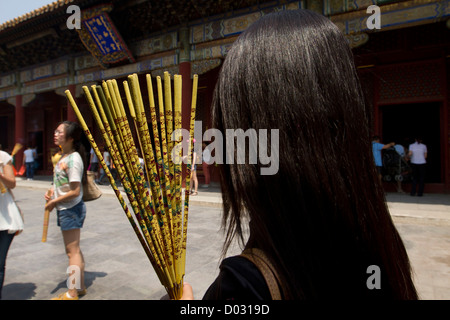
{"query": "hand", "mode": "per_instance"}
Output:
(188, 293)
(50, 205)
(48, 195)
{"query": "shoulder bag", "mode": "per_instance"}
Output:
(90, 189)
(260, 260)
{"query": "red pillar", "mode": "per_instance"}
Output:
(71, 116)
(20, 130)
(185, 72)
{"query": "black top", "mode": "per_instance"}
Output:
(239, 279)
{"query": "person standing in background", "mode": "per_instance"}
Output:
(205, 164)
(377, 147)
(93, 164)
(107, 158)
(28, 161)
(401, 152)
(418, 153)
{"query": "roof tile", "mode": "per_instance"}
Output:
(47, 8)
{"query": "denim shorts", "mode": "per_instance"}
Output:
(72, 218)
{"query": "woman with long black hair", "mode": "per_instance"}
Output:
(66, 195)
(321, 221)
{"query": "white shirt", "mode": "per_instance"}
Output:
(418, 153)
(10, 216)
(29, 155)
(106, 157)
(94, 158)
(5, 158)
(68, 169)
(206, 156)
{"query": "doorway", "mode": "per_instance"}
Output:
(4, 133)
(402, 123)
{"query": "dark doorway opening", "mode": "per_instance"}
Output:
(403, 122)
(4, 133)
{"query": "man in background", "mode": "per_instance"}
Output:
(28, 161)
(418, 154)
(377, 147)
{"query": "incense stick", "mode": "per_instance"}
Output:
(154, 189)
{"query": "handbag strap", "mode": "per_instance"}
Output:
(260, 260)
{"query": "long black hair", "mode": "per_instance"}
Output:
(80, 142)
(322, 218)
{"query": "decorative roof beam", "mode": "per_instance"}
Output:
(395, 16)
(42, 34)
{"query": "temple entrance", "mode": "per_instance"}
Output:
(4, 133)
(403, 122)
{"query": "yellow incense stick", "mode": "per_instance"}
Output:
(161, 242)
(191, 133)
(153, 190)
(155, 186)
(144, 224)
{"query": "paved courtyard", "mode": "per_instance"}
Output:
(117, 267)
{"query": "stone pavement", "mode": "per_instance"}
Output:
(424, 224)
(117, 267)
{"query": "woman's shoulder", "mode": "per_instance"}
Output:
(5, 157)
(238, 279)
(75, 156)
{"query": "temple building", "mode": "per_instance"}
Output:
(401, 49)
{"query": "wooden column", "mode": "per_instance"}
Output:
(71, 116)
(20, 130)
(185, 72)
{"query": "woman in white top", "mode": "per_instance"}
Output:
(10, 219)
(418, 154)
(66, 196)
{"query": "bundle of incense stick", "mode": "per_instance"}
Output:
(154, 189)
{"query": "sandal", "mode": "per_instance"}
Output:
(65, 296)
(81, 292)
(194, 193)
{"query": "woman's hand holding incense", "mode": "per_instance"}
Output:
(48, 195)
(50, 205)
(188, 293)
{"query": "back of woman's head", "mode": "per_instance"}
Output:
(322, 217)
